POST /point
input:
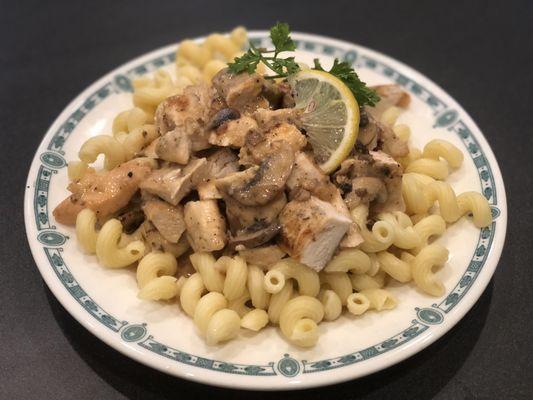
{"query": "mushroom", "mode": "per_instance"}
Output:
(254, 235)
(226, 114)
(258, 185)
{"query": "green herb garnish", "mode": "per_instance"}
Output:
(344, 71)
(283, 67)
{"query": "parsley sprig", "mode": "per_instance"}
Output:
(283, 67)
(344, 71)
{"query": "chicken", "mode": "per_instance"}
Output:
(258, 185)
(168, 219)
(233, 133)
(358, 178)
(206, 227)
(181, 121)
(219, 164)
(261, 145)
(268, 119)
(174, 146)
(156, 242)
(391, 95)
(241, 91)
(262, 256)
(307, 177)
(311, 231)
(189, 112)
(173, 183)
(105, 193)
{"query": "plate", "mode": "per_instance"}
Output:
(159, 335)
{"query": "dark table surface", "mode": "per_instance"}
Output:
(482, 53)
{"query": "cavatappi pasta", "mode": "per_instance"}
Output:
(224, 292)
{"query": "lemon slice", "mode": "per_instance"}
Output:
(331, 115)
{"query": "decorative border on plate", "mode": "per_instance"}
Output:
(52, 160)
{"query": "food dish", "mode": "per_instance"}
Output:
(289, 329)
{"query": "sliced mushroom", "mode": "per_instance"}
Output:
(240, 217)
(258, 185)
(254, 235)
(224, 115)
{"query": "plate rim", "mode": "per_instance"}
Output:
(209, 376)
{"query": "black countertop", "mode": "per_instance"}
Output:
(481, 52)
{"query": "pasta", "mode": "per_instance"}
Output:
(299, 318)
(258, 294)
(235, 282)
(339, 282)
(423, 264)
(239, 304)
(212, 278)
(278, 301)
(353, 260)
(113, 151)
(357, 303)
(395, 267)
(155, 276)
(374, 215)
(207, 306)
(191, 292)
(223, 325)
(107, 250)
(308, 281)
(255, 320)
(379, 299)
(362, 282)
(332, 304)
(86, 230)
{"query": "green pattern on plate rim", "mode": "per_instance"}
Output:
(53, 160)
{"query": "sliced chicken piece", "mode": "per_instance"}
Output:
(181, 121)
(189, 112)
(311, 231)
(206, 227)
(173, 184)
(254, 235)
(233, 133)
(221, 163)
(168, 219)
(156, 242)
(241, 91)
(268, 119)
(174, 146)
(265, 256)
(258, 185)
(391, 95)
(258, 146)
(307, 177)
(149, 151)
(241, 217)
(105, 192)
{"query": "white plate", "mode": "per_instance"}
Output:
(160, 336)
